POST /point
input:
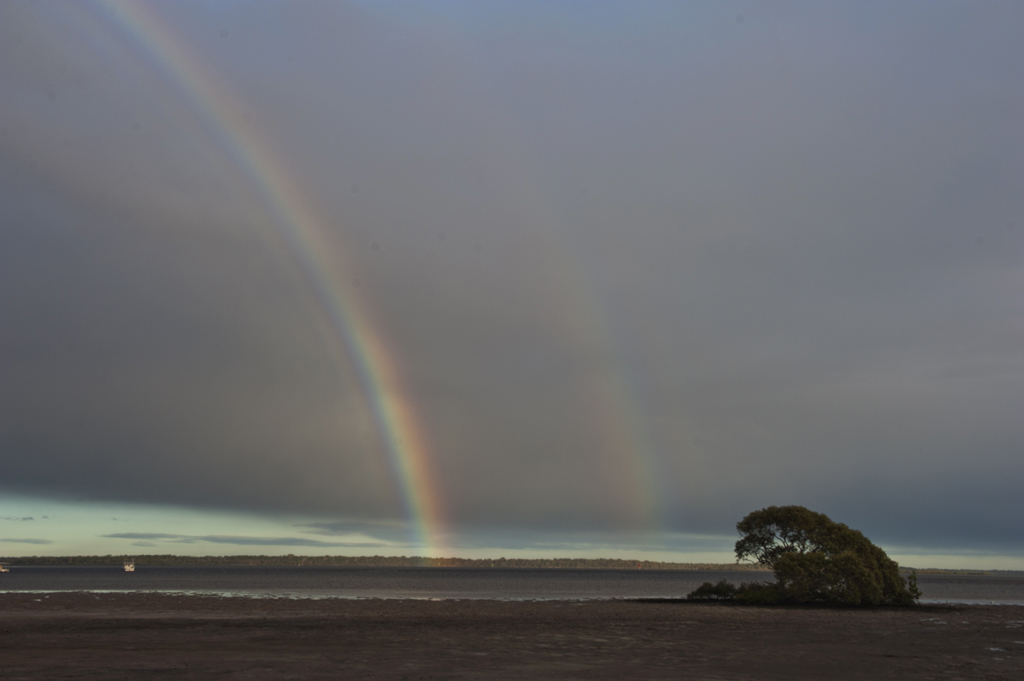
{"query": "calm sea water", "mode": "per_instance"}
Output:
(494, 583)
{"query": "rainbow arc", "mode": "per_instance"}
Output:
(320, 257)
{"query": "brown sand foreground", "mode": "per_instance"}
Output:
(144, 636)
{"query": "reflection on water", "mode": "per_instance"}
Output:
(446, 583)
(348, 582)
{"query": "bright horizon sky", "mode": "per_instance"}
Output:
(135, 529)
(510, 278)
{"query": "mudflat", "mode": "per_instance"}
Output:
(143, 636)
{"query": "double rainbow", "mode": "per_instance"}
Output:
(330, 276)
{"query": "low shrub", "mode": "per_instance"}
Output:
(707, 591)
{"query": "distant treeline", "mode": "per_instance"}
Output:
(951, 571)
(381, 561)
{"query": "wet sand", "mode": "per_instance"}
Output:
(142, 636)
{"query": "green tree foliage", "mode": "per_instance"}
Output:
(815, 560)
(818, 560)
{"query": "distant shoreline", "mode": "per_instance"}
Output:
(421, 561)
(380, 561)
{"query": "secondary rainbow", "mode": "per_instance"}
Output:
(319, 256)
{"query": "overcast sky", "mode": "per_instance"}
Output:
(638, 268)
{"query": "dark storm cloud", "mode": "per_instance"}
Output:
(239, 541)
(791, 248)
(389, 531)
(144, 535)
(284, 541)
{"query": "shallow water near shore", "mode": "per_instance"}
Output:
(1005, 588)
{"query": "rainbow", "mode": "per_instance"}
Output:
(612, 397)
(629, 454)
(396, 420)
(629, 447)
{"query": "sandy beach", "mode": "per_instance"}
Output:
(122, 636)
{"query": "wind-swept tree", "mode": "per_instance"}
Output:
(816, 560)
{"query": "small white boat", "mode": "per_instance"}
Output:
(129, 566)
(3, 569)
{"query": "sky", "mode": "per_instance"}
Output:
(510, 278)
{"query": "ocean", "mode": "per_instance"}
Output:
(449, 583)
